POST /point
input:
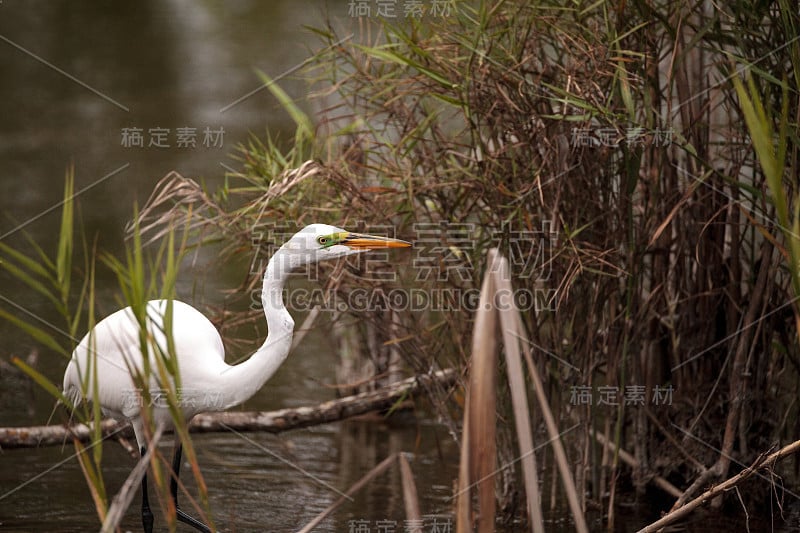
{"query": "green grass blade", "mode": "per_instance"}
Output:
(42, 381)
(37, 333)
(22, 275)
(302, 121)
(64, 253)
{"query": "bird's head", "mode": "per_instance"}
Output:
(319, 242)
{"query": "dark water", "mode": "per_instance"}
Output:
(77, 81)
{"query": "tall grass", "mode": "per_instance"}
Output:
(142, 277)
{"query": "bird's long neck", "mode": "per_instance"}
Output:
(245, 379)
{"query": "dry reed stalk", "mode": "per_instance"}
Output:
(410, 497)
(516, 382)
(483, 404)
(480, 428)
(573, 498)
(464, 496)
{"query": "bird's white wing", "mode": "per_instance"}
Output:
(102, 364)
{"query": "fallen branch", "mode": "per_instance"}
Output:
(269, 421)
(760, 463)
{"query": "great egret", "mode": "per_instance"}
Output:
(101, 366)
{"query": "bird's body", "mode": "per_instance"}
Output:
(108, 365)
(198, 348)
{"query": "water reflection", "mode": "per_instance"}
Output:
(271, 494)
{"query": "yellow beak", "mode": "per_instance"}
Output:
(369, 242)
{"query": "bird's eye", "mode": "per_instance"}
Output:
(322, 240)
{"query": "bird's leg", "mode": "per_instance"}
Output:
(147, 514)
(173, 487)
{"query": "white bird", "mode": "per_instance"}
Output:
(104, 364)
